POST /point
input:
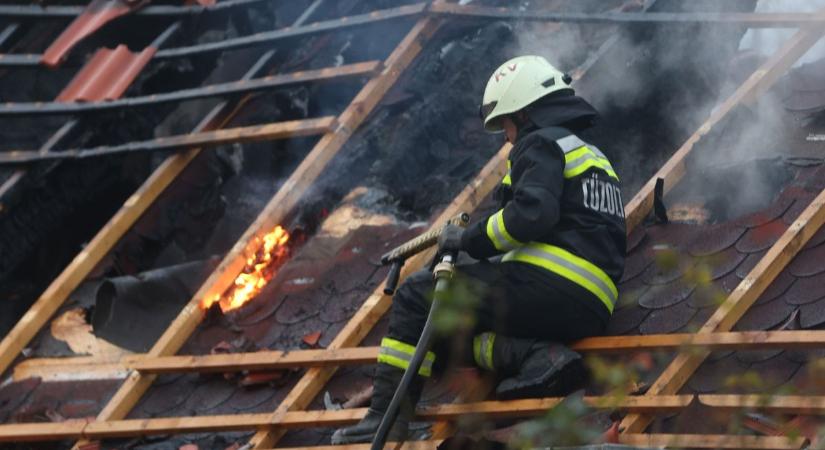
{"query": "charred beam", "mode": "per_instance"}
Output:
(216, 90)
(297, 31)
(752, 20)
(254, 133)
(294, 32)
(55, 11)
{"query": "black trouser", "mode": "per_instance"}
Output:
(511, 299)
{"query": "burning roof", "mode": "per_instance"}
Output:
(298, 293)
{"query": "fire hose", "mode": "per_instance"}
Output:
(443, 273)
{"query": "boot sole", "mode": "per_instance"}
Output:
(570, 379)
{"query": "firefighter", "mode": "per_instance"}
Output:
(549, 259)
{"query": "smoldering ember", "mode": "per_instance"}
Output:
(422, 224)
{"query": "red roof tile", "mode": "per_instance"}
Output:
(96, 14)
(107, 75)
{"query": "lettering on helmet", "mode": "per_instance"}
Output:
(602, 196)
(501, 74)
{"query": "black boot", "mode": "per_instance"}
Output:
(535, 369)
(387, 379)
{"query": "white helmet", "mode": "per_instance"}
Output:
(518, 83)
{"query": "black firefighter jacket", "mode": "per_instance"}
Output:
(561, 211)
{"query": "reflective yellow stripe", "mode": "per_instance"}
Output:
(507, 181)
(563, 263)
(583, 158)
(483, 350)
(399, 354)
(498, 234)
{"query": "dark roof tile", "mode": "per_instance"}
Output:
(164, 398)
(715, 239)
(663, 296)
(710, 377)
(805, 356)
(699, 320)
(765, 216)
(667, 320)
(808, 262)
(706, 297)
(778, 286)
(260, 309)
(795, 210)
(805, 290)
(748, 264)
(723, 263)
(817, 239)
(756, 356)
(342, 306)
(626, 320)
(250, 397)
(728, 283)
(329, 335)
(765, 317)
(354, 275)
(773, 374)
(79, 408)
(635, 265)
(812, 314)
(660, 273)
(629, 294)
(635, 238)
(762, 237)
(674, 235)
(212, 392)
(297, 308)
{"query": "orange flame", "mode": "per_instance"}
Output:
(260, 268)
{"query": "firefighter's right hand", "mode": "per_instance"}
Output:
(450, 239)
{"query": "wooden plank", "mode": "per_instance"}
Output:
(255, 133)
(713, 441)
(274, 213)
(55, 369)
(736, 305)
(313, 419)
(266, 360)
(377, 304)
(38, 432)
(777, 404)
(761, 80)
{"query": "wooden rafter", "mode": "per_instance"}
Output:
(713, 441)
(57, 368)
(275, 211)
(737, 304)
(309, 419)
(761, 80)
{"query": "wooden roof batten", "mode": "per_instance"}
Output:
(76, 367)
(274, 424)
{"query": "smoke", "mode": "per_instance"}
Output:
(656, 85)
(768, 41)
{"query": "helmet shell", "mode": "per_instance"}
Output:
(518, 83)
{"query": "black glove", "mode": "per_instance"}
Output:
(450, 239)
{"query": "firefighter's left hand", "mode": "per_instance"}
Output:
(450, 239)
